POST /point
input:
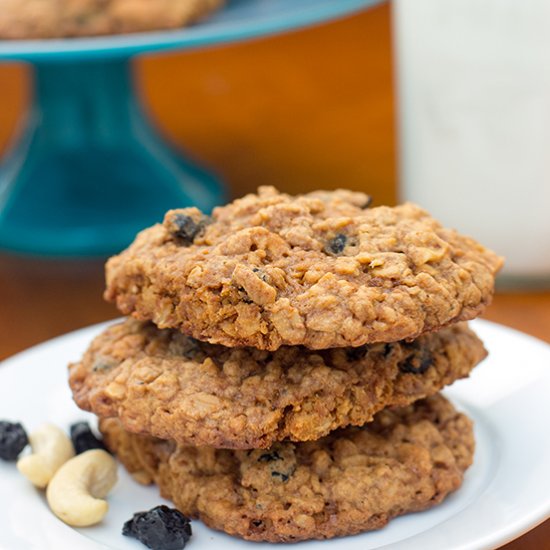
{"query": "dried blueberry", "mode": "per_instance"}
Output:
(283, 477)
(270, 457)
(355, 354)
(417, 365)
(13, 439)
(186, 228)
(84, 439)
(243, 296)
(190, 349)
(101, 366)
(261, 274)
(161, 528)
(257, 522)
(337, 244)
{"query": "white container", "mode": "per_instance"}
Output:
(473, 82)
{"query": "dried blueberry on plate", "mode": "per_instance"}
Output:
(84, 439)
(13, 439)
(161, 528)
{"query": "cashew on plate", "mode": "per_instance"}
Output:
(76, 492)
(50, 449)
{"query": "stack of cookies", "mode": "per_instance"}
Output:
(279, 376)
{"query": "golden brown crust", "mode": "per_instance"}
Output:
(162, 383)
(22, 19)
(351, 481)
(317, 270)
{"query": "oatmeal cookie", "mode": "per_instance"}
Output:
(165, 384)
(320, 270)
(22, 19)
(351, 481)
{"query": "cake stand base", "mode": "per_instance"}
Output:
(89, 171)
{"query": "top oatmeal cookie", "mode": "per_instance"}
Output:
(320, 270)
(22, 19)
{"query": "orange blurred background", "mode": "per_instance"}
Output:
(307, 110)
(302, 111)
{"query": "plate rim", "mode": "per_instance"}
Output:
(529, 520)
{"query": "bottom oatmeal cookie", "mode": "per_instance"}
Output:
(352, 480)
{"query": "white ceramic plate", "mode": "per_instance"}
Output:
(505, 493)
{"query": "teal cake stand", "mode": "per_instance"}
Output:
(88, 170)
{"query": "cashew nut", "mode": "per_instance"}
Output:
(51, 448)
(75, 492)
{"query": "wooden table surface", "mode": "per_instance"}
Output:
(306, 110)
